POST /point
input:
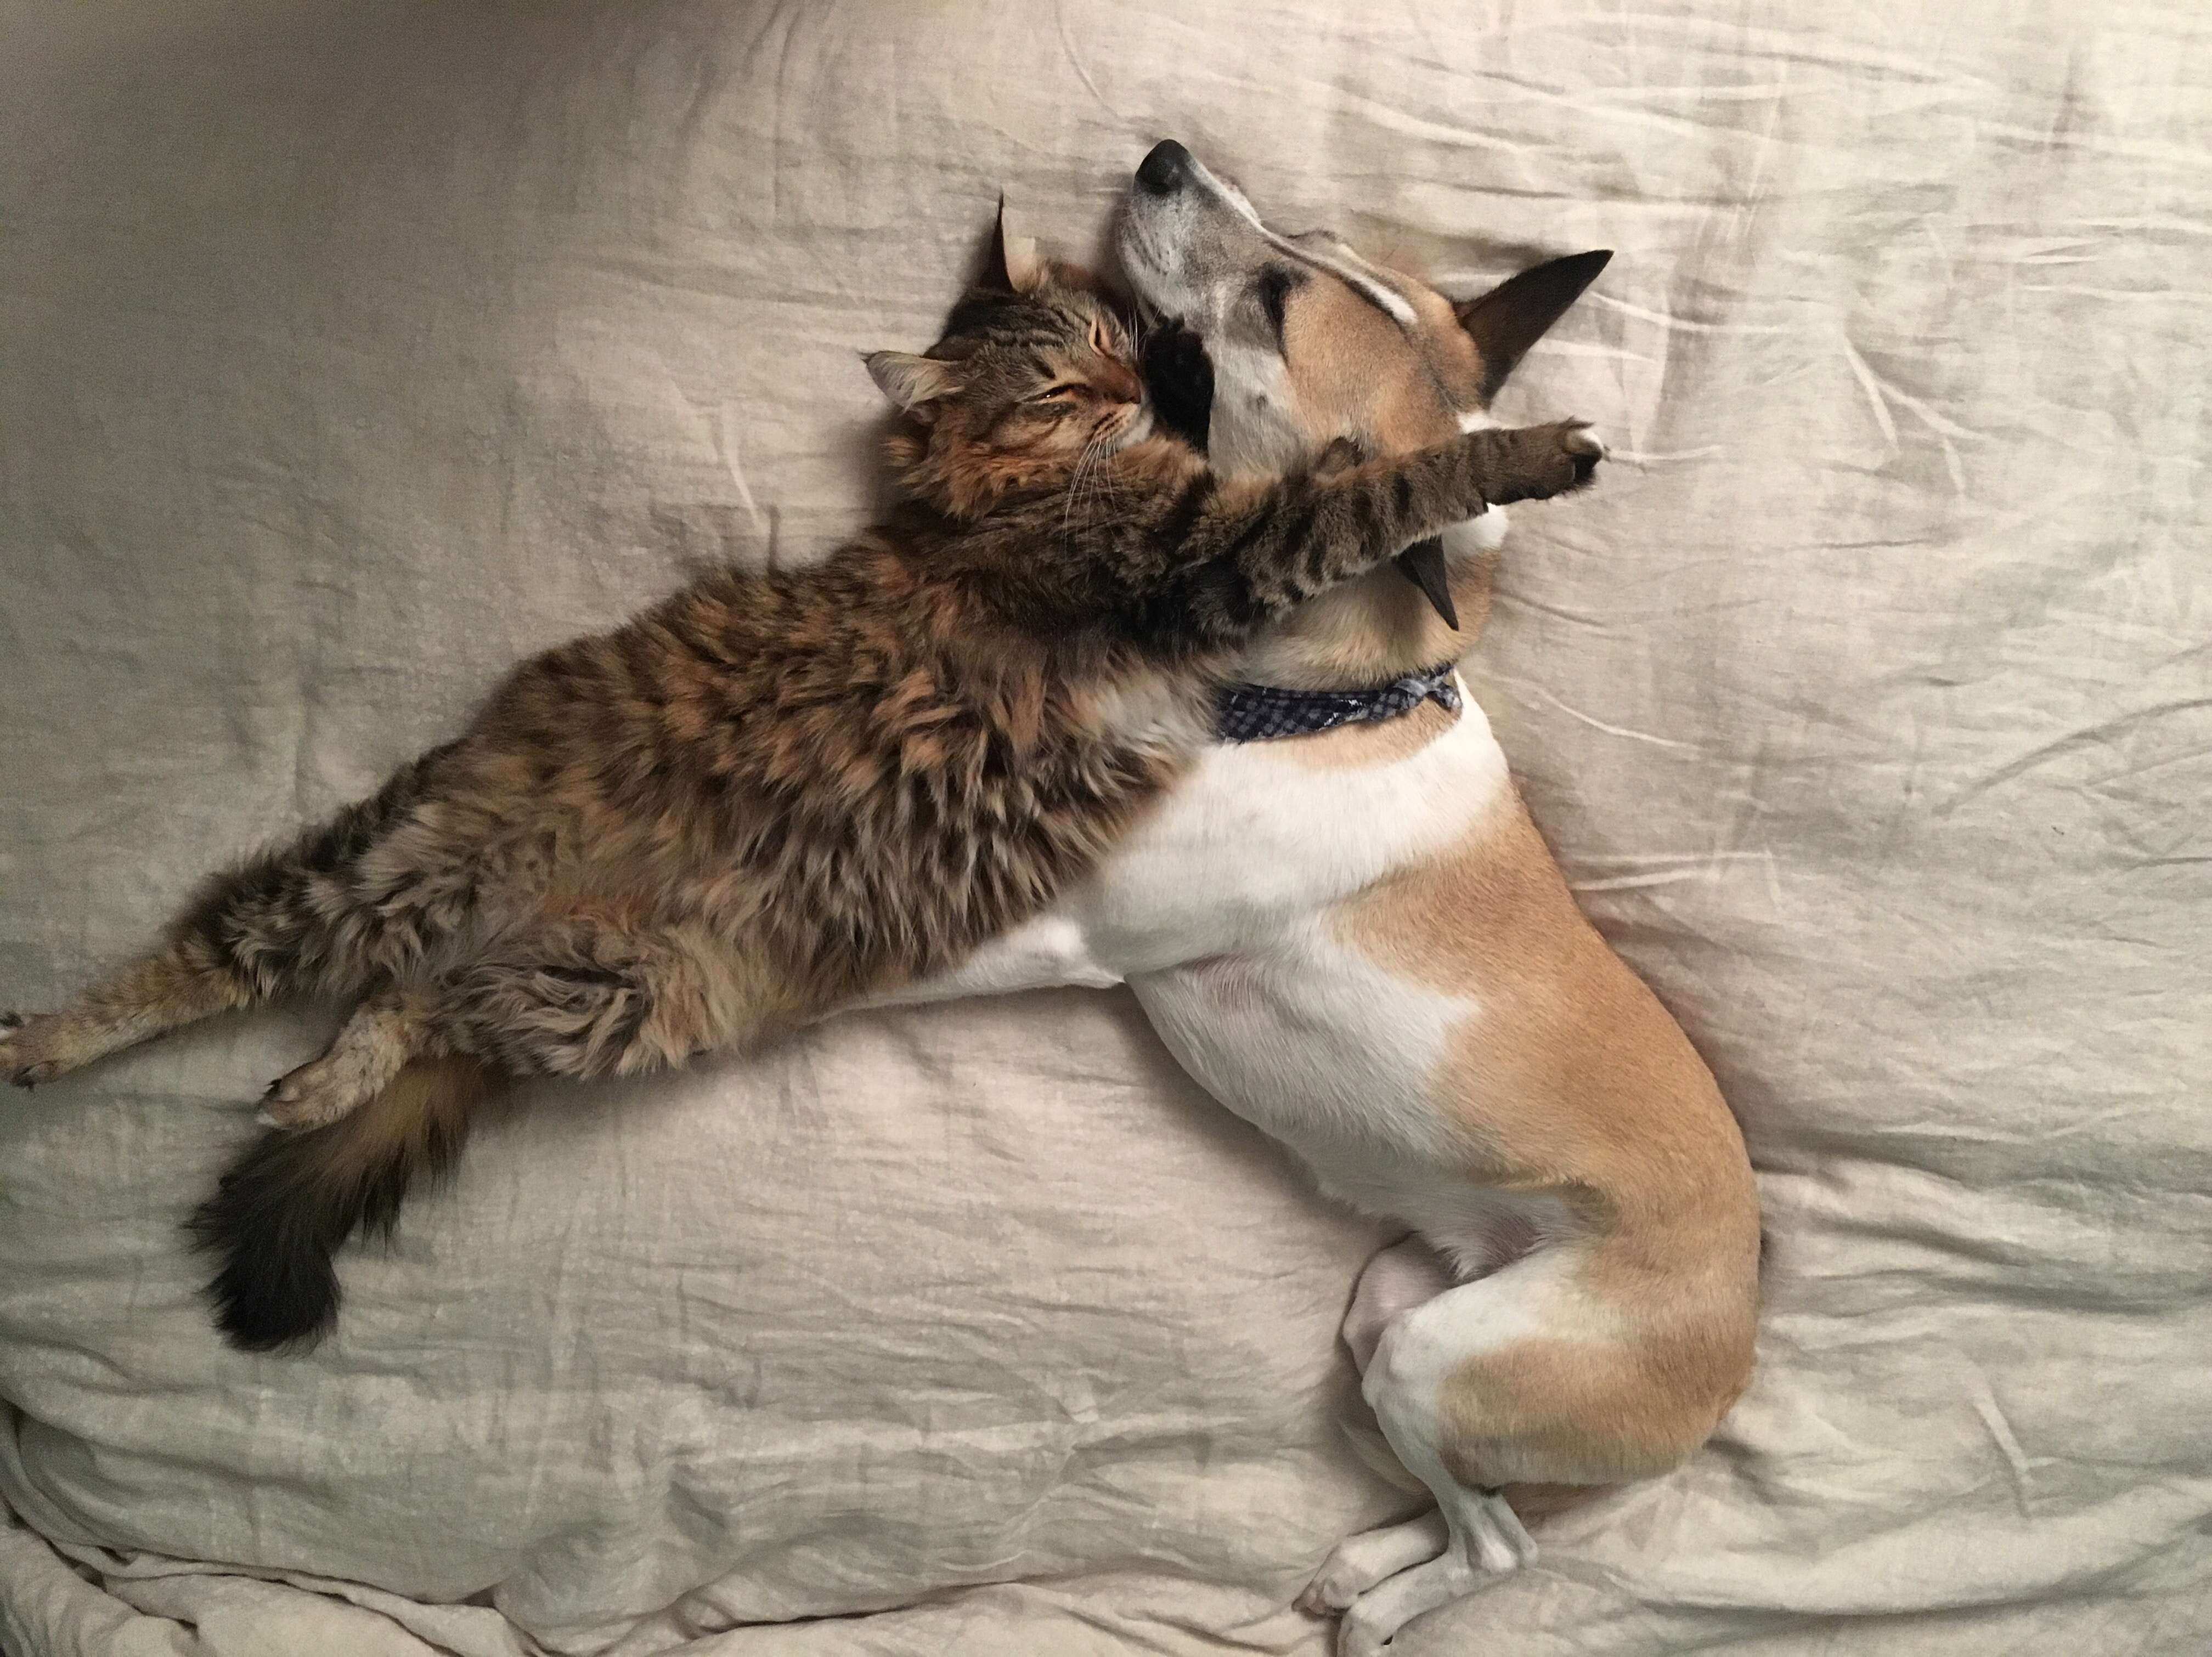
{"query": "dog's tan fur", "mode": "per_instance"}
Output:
(1576, 1082)
(1609, 1350)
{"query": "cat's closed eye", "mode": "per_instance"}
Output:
(1058, 401)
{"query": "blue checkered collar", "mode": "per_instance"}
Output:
(1260, 713)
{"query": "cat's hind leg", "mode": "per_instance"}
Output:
(386, 1031)
(603, 995)
(353, 902)
(160, 992)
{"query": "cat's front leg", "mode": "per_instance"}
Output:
(1500, 465)
(1051, 952)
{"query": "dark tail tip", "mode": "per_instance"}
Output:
(290, 1202)
(273, 1226)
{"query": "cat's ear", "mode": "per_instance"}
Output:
(1013, 266)
(1514, 315)
(915, 385)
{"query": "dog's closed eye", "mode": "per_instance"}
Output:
(1274, 287)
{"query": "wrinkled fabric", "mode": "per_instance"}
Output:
(354, 351)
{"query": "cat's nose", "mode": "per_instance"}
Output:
(1121, 384)
(1166, 169)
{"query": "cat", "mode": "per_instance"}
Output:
(773, 793)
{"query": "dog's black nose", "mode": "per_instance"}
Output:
(1165, 170)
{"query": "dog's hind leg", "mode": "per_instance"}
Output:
(1557, 1369)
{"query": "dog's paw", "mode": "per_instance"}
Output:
(1360, 1562)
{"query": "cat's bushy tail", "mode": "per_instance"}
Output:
(285, 1206)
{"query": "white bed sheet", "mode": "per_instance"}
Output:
(348, 352)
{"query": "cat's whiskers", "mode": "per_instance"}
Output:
(1086, 463)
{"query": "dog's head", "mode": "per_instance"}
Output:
(1309, 341)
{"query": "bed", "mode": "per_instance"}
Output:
(351, 351)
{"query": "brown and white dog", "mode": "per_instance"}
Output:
(1358, 941)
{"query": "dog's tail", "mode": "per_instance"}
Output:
(286, 1206)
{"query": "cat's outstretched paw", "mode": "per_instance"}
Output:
(295, 1101)
(32, 1049)
(1584, 449)
(1538, 462)
(1342, 455)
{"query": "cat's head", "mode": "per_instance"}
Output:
(1035, 375)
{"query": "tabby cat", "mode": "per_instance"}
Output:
(773, 793)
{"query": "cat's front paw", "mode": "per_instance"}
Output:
(1179, 379)
(1584, 449)
(1548, 460)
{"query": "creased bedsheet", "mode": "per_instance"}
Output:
(348, 352)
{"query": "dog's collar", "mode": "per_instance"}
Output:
(1260, 713)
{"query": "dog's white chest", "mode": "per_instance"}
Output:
(1256, 843)
(1221, 913)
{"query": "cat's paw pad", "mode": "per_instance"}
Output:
(1174, 350)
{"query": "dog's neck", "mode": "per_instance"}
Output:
(1380, 627)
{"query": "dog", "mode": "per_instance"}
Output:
(1355, 939)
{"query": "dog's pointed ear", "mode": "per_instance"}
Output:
(1013, 266)
(915, 385)
(1423, 564)
(1514, 315)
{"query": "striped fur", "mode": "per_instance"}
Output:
(776, 793)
